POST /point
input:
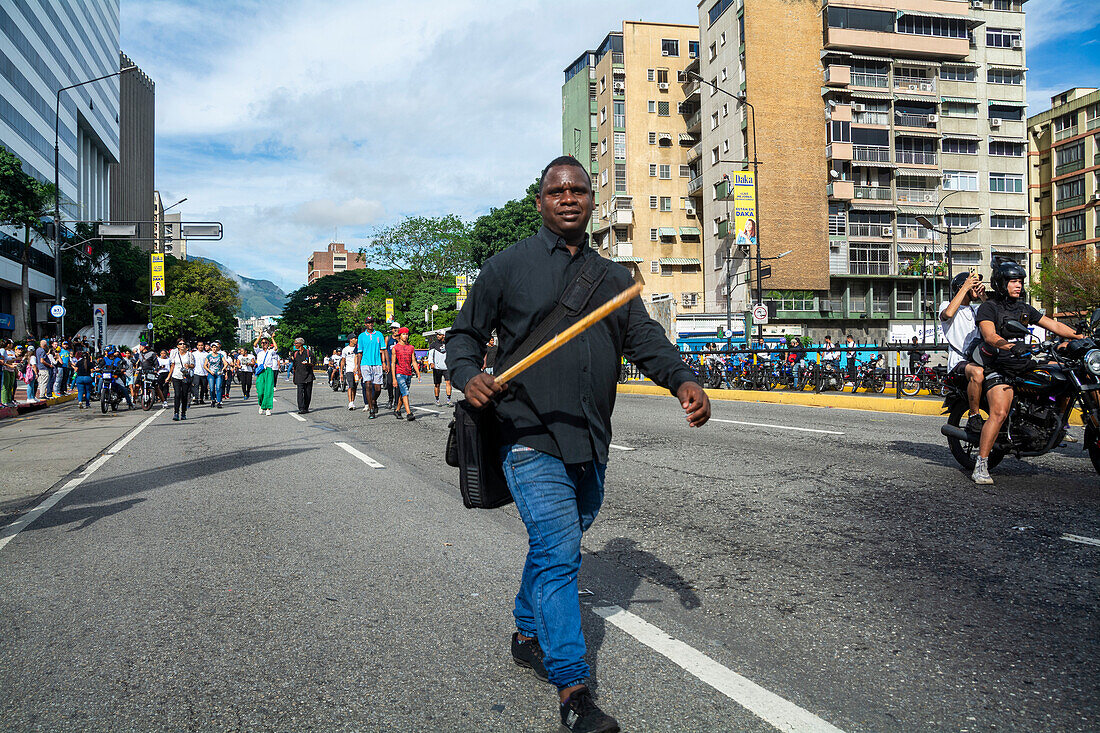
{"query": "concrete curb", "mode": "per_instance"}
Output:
(25, 407)
(911, 406)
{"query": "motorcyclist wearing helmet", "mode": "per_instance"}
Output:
(113, 363)
(1002, 355)
(960, 328)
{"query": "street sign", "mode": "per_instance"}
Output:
(449, 291)
(99, 324)
(57, 310)
(156, 274)
(149, 325)
(759, 313)
(460, 300)
(765, 271)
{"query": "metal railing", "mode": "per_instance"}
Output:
(868, 230)
(873, 193)
(903, 119)
(906, 231)
(870, 118)
(916, 157)
(871, 153)
(917, 195)
(915, 83)
(860, 79)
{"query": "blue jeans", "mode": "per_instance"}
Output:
(84, 389)
(403, 382)
(557, 503)
(214, 382)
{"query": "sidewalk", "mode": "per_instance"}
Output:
(22, 408)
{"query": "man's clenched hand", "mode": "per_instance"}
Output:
(695, 403)
(479, 391)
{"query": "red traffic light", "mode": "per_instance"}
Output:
(88, 250)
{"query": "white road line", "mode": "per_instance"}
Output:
(361, 456)
(768, 706)
(620, 447)
(9, 532)
(1080, 540)
(778, 427)
(425, 409)
(296, 416)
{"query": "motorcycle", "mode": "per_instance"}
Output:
(925, 377)
(335, 379)
(871, 376)
(110, 392)
(1035, 424)
(148, 390)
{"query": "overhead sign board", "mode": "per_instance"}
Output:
(117, 230)
(203, 230)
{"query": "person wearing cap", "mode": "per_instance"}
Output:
(404, 364)
(373, 364)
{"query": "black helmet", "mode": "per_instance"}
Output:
(957, 283)
(1003, 271)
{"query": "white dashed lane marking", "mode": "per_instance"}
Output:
(1081, 540)
(777, 427)
(296, 416)
(620, 447)
(361, 456)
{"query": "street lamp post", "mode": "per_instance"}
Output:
(755, 175)
(947, 230)
(57, 182)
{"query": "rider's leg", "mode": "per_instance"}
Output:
(975, 375)
(999, 397)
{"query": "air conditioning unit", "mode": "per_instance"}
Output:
(859, 107)
(1017, 43)
(888, 231)
(619, 88)
(933, 119)
(825, 306)
(663, 86)
(994, 121)
(976, 4)
(690, 213)
(681, 76)
(1096, 197)
(914, 87)
(664, 53)
(1038, 232)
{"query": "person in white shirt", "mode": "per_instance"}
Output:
(267, 362)
(960, 329)
(245, 364)
(349, 365)
(198, 384)
(181, 367)
(437, 359)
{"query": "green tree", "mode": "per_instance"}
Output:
(201, 303)
(24, 201)
(426, 247)
(1069, 283)
(503, 227)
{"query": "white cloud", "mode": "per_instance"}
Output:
(1048, 20)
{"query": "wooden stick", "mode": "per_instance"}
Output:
(570, 333)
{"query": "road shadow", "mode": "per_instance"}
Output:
(635, 565)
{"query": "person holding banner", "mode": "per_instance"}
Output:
(267, 363)
(555, 418)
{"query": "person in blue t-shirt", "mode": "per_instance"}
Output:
(373, 364)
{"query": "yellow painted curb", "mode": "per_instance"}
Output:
(815, 399)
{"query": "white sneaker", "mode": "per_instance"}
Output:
(261, 410)
(267, 413)
(366, 409)
(981, 472)
(351, 405)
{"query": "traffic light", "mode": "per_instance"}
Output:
(88, 250)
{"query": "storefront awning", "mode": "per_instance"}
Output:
(910, 247)
(885, 96)
(678, 261)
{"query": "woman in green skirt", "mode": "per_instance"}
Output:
(267, 363)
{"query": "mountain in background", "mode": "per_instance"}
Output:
(258, 297)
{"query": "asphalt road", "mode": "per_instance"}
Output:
(238, 572)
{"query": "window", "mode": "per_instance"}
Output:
(1005, 112)
(1002, 37)
(666, 171)
(603, 146)
(652, 170)
(603, 177)
(714, 121)
(653, 238)
(620, 146)
(1065, 155)
(714, 157)
(662, 109)
(1006, 149)
(652, 107)
(652, 138)
(687, 205)
(962, 259)
(957, 73)
(714, 86)
(868, 258)
(685, 171)
(713, 52)
(925, 26)
(1071, 189)
(666, 203)
(959, 109)
(838, 220)
(653, 202)
(840, 132)
(670, 47)
(726, 145)
(664, 139)
(1071, 227)
(1005, 183)
(1006, 221)
(960, 180)
(959, 146)
(619, 114)
(857, 297)
(725, 110)
(651, 75)
(593, 122)
(689, 300)
(722, 35)
(654, 265)
(724, 75)
(717, 224)
(1065, 122)
(880, 298)
(864, 20)
(904, 300)
(962, 221)
(1005, 76)
(662, 76)
(603, 84)
(603, 115)
(1016, 5)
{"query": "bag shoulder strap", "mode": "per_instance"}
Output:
(572, 301)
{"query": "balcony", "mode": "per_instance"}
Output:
(1093, 124)
(623, 249)
(841, 190)
(906, 231)
(838, 151)
(690, 87)
(839, 76)
(622, 217)
(874, 81)
(1066, 133)
(1065, 168)
(917, 195)
(895, 44)
(915, 157)
(873, 193)
(695, 184)
(1069, 202)
(922, 121)
(695, 153)
(871, 118)
(869, 230)
(694, 122)
(915, 84)
(870, 153)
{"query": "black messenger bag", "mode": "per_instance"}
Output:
(474, 441)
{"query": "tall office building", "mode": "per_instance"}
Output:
(869, 114)
(167, 229)
(623, 111)
(1064, 142)
(132, 177)
(46, 45)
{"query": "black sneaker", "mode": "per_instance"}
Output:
(410, 417)
(974, 424)
(528, 654)
(580, 714)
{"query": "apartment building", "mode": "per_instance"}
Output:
(869, 113)
(335, 258)
(638, 146)
(1064, 174)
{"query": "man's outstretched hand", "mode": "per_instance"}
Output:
(695, 403)
(480, 390)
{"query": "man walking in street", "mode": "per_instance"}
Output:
(349, 367)
(199, 384)
(302, 363)
(390, 377)
(215, 365)
(437, 360)
(555, 418)
(373, 364)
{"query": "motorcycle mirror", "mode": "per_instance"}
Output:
(1015, 328)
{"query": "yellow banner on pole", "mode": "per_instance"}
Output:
(461, 282)
(744, 208)
(156, 265)
(389, 310)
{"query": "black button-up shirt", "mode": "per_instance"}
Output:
(562, 405)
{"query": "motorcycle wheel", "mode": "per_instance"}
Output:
(147, 401)
(967, 453)
(879, 385)
(1092, 440)
(910, 385)
(104, 398)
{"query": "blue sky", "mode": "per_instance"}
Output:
(292, 121)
